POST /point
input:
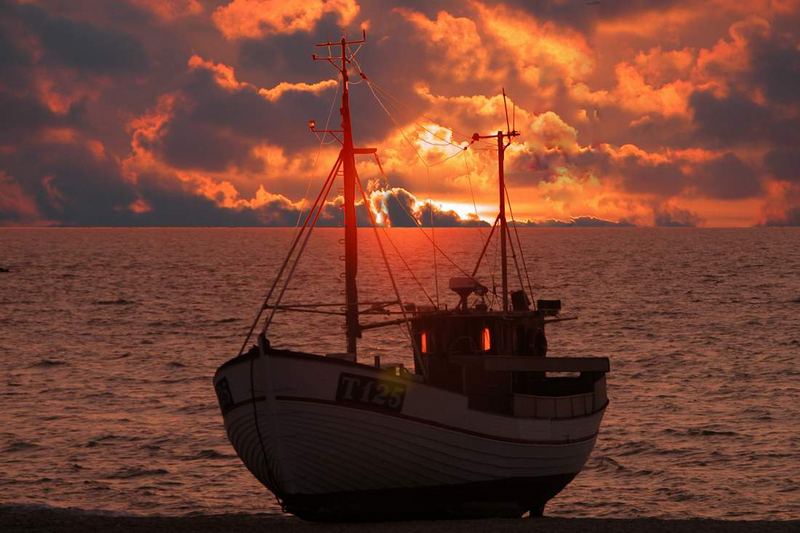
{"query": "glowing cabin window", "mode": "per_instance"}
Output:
(486, 340)
(423, 342)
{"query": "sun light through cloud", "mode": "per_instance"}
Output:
(626, 113)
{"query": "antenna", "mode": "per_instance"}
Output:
(501, 137)
(505, 105)
(347, 157)
(513, 116)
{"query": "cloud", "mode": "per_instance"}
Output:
(728, 178)
(169, 10)
(16, 207)
(675, 217)
(111, 111)
(784, 163)
(397, 207)
(576, 222)
(83, 46)
(253, 19)
(791, 217)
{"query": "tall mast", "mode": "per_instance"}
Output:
(350, 226)
(347, 157)
(501, 179)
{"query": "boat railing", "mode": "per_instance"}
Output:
(560, 407)
(522, 363)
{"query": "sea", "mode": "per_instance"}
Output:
(109, 339)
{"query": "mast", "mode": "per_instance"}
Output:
(501, 179)
(353, 330)
(347, 157)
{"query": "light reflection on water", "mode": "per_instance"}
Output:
(109, 339)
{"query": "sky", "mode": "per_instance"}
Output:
(195, 113)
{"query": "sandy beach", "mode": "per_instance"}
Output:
(14, 519)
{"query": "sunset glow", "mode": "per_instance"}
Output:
(191, 113)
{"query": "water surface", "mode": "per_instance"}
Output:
(109, 339)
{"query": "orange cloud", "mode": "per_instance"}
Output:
(18, 207)
(458, 38)
(146, 131)
(169, 10)
(719, 65)
(276, 92)
(665, 23)
(659, 67)
(253, 19)
(542, 52)
(225, 77)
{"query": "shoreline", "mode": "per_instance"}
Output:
(35, 518)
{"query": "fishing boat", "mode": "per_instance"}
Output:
(484, 424)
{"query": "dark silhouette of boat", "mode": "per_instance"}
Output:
(486, 423)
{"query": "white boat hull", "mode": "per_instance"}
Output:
(327, 458)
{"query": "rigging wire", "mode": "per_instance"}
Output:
(298, 232)
(386, 261)
(328, 181)
(430, 203)
(396, 250)
(519, 242)
(408, 268)
(327, 188)
(422, 230)
(400, 103)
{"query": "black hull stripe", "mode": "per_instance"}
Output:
(436, 424)
(509, 497)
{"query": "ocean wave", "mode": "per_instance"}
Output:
(20, 446)
(210, 454)
(705, 432)
(117, 301)
(135, 471)
(110, 438)
(47, 363)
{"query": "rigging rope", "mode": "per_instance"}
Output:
(385, 258)
(519, 242)
(320, 207)
(328, 181)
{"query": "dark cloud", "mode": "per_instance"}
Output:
(432, 215)
(584, 14)
(399, 206)
(736, 119)
(638, 175)
(727, 178)
(215, 127)
(784, 163)
(731, 119)
(776, 68)
(189, 144)
(576, 222)
(673, 217)
(70, 184)
(662, 178)
(10, 53)
(404, 211)
(791, 217)
(83, 46)
(176, 206)
(23, 116)
(74, 73)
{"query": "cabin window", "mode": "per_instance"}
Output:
(423, 342)
(486, 340)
